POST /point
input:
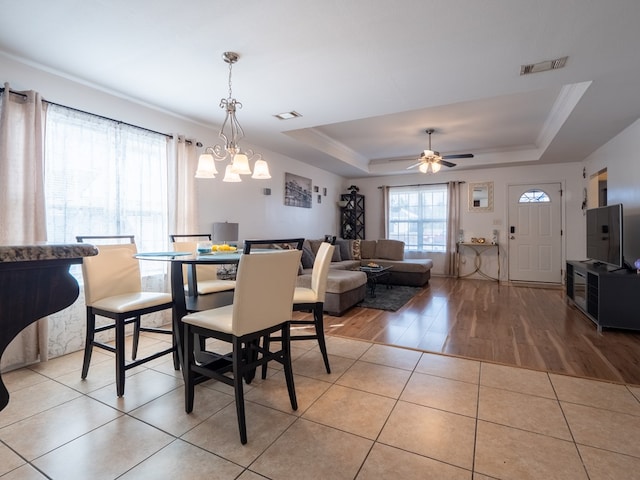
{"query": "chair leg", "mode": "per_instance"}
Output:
(88, 343)
(120, 370)
(288, 370)
(188, 375)
(318, 317)
(266, 343)
(136, 338)
(238, 374)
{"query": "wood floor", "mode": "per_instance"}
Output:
(516, 325)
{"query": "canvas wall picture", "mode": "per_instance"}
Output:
(297, 191)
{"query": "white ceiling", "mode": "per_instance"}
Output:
(368, 76)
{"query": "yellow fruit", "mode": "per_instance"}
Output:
(214, 248)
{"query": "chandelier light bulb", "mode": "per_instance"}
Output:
(261, 170)
(240, 164)
(229, 176)
(206, 166)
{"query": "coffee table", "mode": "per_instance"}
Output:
(374, 276)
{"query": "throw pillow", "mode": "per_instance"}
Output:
(355, 250)
(307, 257)
(345, 249)
(315, 245)
(337, 257)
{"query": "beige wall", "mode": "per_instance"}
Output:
(620, 158)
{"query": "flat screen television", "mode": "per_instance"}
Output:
(604, 235)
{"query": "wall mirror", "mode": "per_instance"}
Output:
(481, 197)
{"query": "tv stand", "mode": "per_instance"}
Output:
(609, 298)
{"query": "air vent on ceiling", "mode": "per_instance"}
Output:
(543, 66)
(287, 115)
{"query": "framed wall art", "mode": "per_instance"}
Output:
(297, 191)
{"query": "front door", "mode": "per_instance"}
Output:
(535, 233)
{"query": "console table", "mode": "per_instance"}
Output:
(35, 282)
(478, 249)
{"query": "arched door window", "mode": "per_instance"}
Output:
(534, 196)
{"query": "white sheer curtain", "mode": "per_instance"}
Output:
(104, 177)
(22, 216)
(453, 189)
(182, 201)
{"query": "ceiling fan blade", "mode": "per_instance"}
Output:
(462, 155)
(446, 164)
(414, 165)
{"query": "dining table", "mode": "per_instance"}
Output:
(187, 300)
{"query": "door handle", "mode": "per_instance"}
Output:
(512, 237)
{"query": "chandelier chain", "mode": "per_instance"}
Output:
(230, 69)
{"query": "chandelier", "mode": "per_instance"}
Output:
(231, 133)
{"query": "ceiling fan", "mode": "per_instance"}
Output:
(431, 161)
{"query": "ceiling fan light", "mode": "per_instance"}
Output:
(435, 167)
(424, 167)
(428, 153)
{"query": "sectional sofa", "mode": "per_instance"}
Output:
(346, 285)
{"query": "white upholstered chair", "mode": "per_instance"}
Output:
(206, 276)
(312, 299)
(113, 289)
(262, 305)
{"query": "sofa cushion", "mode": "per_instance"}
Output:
(412, 265)
(338, 281)
(345, 249)
(345, 265)
(367, 249)
(336, 257)
(389, 249)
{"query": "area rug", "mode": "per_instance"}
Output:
(389, 299)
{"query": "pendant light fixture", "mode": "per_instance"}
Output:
(231, 133)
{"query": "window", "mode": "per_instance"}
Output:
(103, 177)
(534, 196)
(418, 217)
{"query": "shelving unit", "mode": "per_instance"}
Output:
(352, 216)
(608, 298)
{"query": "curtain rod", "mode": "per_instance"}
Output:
(2, 89)
(420, 184)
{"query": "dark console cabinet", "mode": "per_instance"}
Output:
(608, 298)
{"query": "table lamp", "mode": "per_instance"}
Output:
(225, 232)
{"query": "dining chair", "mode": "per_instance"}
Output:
(175, 237)
(262, 305)
(203, 278)
(113, 289)
(292, 243)
(311, 298)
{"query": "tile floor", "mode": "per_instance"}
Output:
(384, 412)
